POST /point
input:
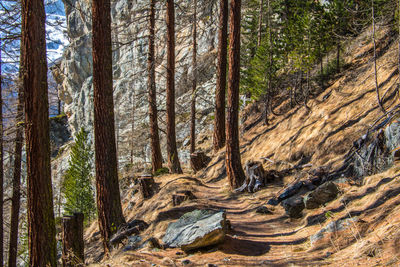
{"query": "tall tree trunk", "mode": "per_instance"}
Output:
(194, 83)
(233, 164)
(219, 120)
(108, 195)
(172, 152)
(1, 170)
(260, 20)
(375, 68)
(41, 226)
(156, 157)
(16, 195)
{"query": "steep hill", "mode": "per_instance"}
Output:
(361, 226)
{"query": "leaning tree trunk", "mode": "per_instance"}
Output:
(219, 120)
(194, 84)
(156, 157)
(16, 195)
(234, 168)
(172, 152)
(1, 170)
(41, 226)
(108, 195)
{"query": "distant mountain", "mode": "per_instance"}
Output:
(55, 29)
(55, 35)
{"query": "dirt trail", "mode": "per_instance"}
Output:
(339, 116)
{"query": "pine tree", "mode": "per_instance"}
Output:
(1, 168)
(107, 188)
(156, 157)
(16, 195)
(172, 151)
(219, 135)
(77, 186)
(41, 225)
(233, 163)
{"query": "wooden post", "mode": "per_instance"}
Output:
(146, 183)
(73, 246)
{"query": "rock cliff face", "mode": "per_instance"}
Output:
(129, 23)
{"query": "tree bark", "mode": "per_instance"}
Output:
(73, 245)
(194, 83)
(108, 196)
(156, 157)
(172, 152)
(1, 170)
(41, 226)
(219, 120)
(233, 164)
(16, 195)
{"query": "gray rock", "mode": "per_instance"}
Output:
(151, 243)
(375, 151)
(290, 191)
(60, 133)
(263, 210)
(332, 227)
(293, 206)
(133, 243)
(321, 195)
(186, 262)
(196, 229)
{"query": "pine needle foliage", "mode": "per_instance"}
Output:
(77, 187)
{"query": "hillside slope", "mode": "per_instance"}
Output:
(361, 226)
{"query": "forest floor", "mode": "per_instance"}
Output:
(339, 115)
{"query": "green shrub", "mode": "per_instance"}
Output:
(161, 171)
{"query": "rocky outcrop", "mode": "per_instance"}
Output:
(60, 133)
(196, 229)
(129, 69)
(374, 151)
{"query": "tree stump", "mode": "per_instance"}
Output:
(255, 177)
(146, 185)
(73, 246)
(199, 160)
(177, 199)
(181, 196)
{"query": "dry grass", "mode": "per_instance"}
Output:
(324, 134)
